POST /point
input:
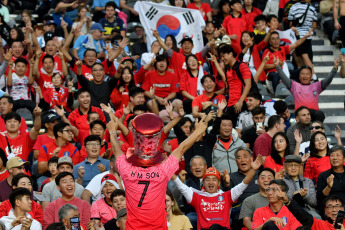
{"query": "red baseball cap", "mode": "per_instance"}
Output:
(211, 171)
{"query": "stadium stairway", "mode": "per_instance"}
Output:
(331, 101)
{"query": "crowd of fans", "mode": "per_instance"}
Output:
(86, 63)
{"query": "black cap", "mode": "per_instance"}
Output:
(186, 38)
(293, 158)
(50, 22)
(48, 36)
(50, 117)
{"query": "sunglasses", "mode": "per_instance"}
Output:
(315, 127)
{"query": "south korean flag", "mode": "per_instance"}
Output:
(179, 22)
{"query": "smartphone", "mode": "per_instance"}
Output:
(87, 14)
(75, 223)
(339, 219)
(259, 126)
(342, 50)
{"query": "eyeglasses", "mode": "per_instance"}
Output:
(338, 206)
(93, 145)
(292, 165)
(67, 130)
(192, 61)
(315, 127)
(267, 190)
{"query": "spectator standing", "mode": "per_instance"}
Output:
(263, 144)
(6, 107)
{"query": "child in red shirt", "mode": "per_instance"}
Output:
(204, 8)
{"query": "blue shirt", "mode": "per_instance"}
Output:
(109, 26)
(91, 170)
(81, 49)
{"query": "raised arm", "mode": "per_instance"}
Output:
(186, 191)
(35, 72)
(31, 77)
(327, 80)
(9, 74)
(115, 145)
(37, 123)
(300, 41)
(175, 120)
(200, 128)
(160, 41)
(282, 76)
(261, 67)
(219, 69)
(337, 25)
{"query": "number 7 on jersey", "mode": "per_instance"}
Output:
(146, 183)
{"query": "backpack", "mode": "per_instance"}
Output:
(236, 67)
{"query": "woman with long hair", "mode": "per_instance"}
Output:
(26, 19)
(171, 42)
(319, 157)
(83, 21)
(176, 220)
(280, 149)
(190, 82)
(119, 96)
(250, 52)
(178, 3)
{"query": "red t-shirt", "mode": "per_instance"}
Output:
(178, 62)
(204, 9)
(119, 99)
(212, 209)
(42, 140)
(236, 26)
(21, 145)
(270, 163)
(322, 225)
(261, 216)
(280, 53)
(251, 15)
(145, 193)
(46, 152)
(189, 84)
(45, 82)
(23, 128)
(314, 166)
(79, 120)
(235, 85)
(202, 98)
(165, 84)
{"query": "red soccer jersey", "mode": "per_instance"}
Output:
(212, 209)
(189, 84)
(145, 193)
(79, 120)
(36, 210)
(280, 53)
(23, 128)
(69, 150)
(236, 26)
(21, 145)
(165, 84)
(204, 9)
(120, 98)
(45, 82)
(261, 216)
(202, 98)
(322, 225)
(314, 166)
(251, 15)
(174, 144)
(235, 85)
(42, 140)
(178, 62)
(57, 98)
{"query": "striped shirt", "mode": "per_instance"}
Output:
(297, 11)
